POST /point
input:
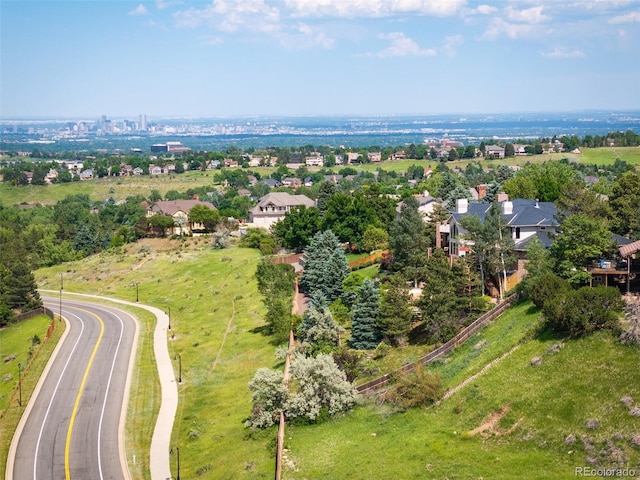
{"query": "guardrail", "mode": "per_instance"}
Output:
(373, 385)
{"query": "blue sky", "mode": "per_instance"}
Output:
(317, 57)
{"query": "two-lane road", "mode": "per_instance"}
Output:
(73, 426)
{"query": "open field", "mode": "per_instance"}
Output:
(216, 320)
(578, 387)
(102, 188)
(17, 347)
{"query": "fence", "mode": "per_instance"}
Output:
(24, 316)
(460, 338)
(295, 258)
(281, 426)
(370, 259)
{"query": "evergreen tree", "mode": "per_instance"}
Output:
(625, 203)
(396, 315)
(325, 266)
(442, 306)
(408, 241)
(325, 192)
(365, 333)
(539, 263)
(21, 293)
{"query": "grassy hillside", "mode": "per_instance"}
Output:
(528, 413)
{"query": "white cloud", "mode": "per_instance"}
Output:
(139, 10)
(306, 36)
(499, 28)
(528, 15)
(373, 8)
(211, 40)
(232, 15)
(164, 4)
(451, 44)
(561, 53)
(485, 9)
(402, 46)
(630, 17)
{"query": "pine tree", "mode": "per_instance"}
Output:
(396, 315)
(443, 304)
(365, 333)
(325, 266)
(408, 241)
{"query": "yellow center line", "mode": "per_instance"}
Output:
(79, 396)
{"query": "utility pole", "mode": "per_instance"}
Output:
(61, 288)
(178, 455)
(179, 358)
(20, 384)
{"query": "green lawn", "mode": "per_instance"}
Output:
(100, 189)
(17, 347)
(584, 381)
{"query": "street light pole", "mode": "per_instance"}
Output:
(178, 455)
(137, 297)
(169, 317)
(61, 288)
(20, 384)
(178, 357)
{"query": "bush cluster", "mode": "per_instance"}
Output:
(577, 312)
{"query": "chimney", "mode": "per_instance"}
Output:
(537, 204)
(438, 237)
(507, 208)
(462, 205)
(502, 197)
(482, 190)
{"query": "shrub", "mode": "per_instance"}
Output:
(415, 389)
(546, 288)
(583, 311)
(317, 390)
(319, 384)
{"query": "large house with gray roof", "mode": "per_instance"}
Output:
(526, 219)
(274, 206)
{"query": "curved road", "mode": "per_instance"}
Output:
(71, 429)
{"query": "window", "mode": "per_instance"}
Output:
(517, 233)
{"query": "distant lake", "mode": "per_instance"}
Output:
(350, 131)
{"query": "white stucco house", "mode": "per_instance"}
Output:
(274, 206)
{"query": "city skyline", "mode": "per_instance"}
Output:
(322, 57)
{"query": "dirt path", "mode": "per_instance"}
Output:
(448, 393)
(226, 332)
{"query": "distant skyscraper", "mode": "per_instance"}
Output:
(142, 123)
